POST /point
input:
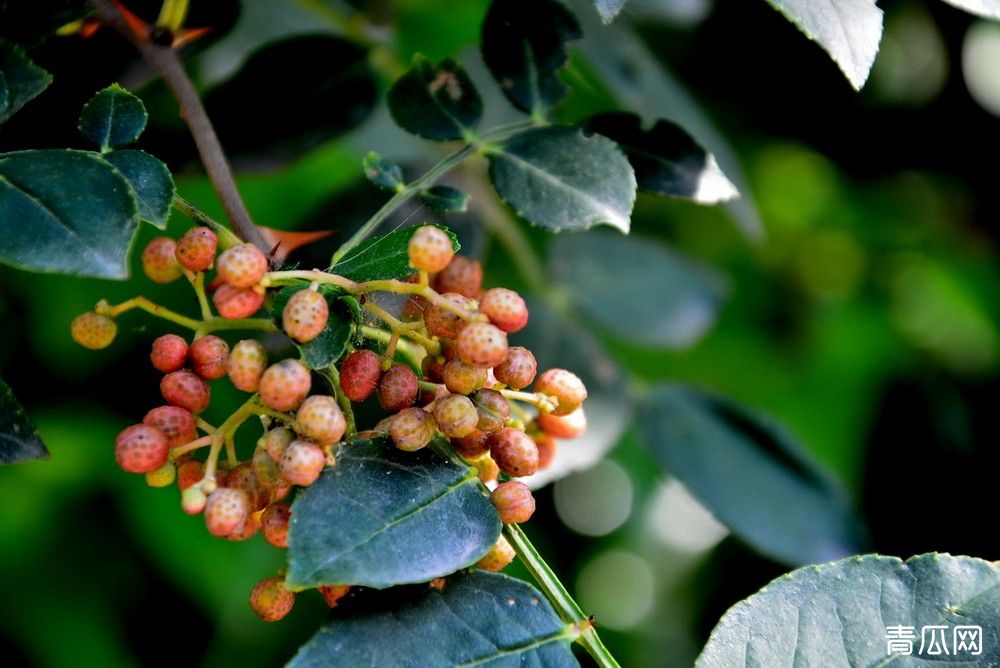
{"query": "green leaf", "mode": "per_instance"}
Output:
(524, 46)
(849, 30)
(382, 257)
(384, 173)
(331, 344)
(20, 80)
(479, 619)
(614, 279)
(989, 9)
(666, 159)
(383, 517)
(839, 614)
(608, 9)
(445, 199)
(19, 440)
(68, 212)
(150, 181)
(557, 178)
(751, 474)
(437, 102)
(113, 117)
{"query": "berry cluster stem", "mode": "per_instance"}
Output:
(200, 327)
(197, 280)
(542, 402)
(409, 330)
(413, 352)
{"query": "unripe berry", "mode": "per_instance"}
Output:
(226, 509)
(304, 316)
(456, 416)
(271, 600)
(274, 524)
(564, 426)
(412, 429)
(189, 472)
(176, 423)
(235, 303)
(462, 378)
(320, 420)
(267, 469)
(302, 463)
(513, 501)
(546, 449)
(284, 385)
(333, 593)
(474, 445)
(359, 374)
(242, 266)
(209, 357)
(196, 249)
(430, 249)
(169, 353)
(514, 452)
(141, 449)
(193, 500)
(493, 408)
(518, 370)
(397, 388)
(246, 364)
(159, 260)
(482, 344)
(244, 477)
(184, 389)
(486, 469)
(499, 557)
(93, 330)
(565, 386)
(505, 309)
(276, 441)
(163, 476)
(444, 323)
(462, 275)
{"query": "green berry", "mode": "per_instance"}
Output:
(271, 600)
(514, 452)
(193, 500)
(412, 429)
(163, 476)
(242, 266)
(482, 344)
(456, 416)
(246, 364)
(320, 420)
(93, 330)
(169, 353)
(565, 386)
(514, 502)
(518, 370)
(305, 315)
(398, 388)
(196, 249)
(284, 385)
(141, 448)
(159, 260)
(430, 249)
(209, 357)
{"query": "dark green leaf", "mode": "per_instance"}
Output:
(479, 619)
(524, 45)
(20, 80)
(435, 101)
(614, 279)
(67, 212)
(752, 474)
(839, 614)
(113, 117)
(383, 517)
(608, 9)
(382, 257)
(986, 8)
(19, 440)
(557, 178)
(384, 173)
(151, 183)
(444, 199)
(666, 159)
(331, 344)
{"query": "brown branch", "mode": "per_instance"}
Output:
(165, 62)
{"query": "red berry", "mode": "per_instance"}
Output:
(462, 378)
(274, 523)
(93, 330)
(359, 374)
(442, 322)
(196, 248)
(226, 509)
(141, 449)
(169, 353)
(565, 386)
(493, 408)
(333, 593)
(513, 501)
(456, 416)
(235, 303)
(472, 446)
(518, 370)
(242, 266)
(209, 357)
(302, 463)
(159, 260)
(189, 472)
(398, 388)
(505, 309)
(184, 389)
(320, 420)
(499, 557)
(462, 275)
(246, 364)
(430, 249)
(571, 425)
(304, 316)
(284, 385)
(412, 429)
(244, 477)
(514, 452)
(271, 600)
(546, 449)
(276, 441)
(176, 423)
(247, 529)
(482, 344)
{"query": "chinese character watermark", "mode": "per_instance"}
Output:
(899, 639)
(935, 640)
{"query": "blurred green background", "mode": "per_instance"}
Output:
(861, 312)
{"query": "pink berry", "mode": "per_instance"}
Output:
(456, 416)
(518, 370)
(505, 309)
(284, 385)
(462, 378)
(184, 389)
(276, 441)
(412, 429)
(302, 463)
(246, 364)
(514, 502)
(242, 266)
(514, 452)
(247, 529)
(546, 449)
(359, 374)
(570, 425)
(196, 249)
(93, 330)
(430, 249)
(236, 303)
(159, 260)
(169, 353)
(398, 388)
(472, 446)
(209, 357)
(176, 423)
(493, 409)
(245, 477)
(304, 316)
(565, 386)
(445, 323)
(482, 344)
(226, 509)
(274, 523)
(141, 449)
(271, 600)
(462, 275)
(320, 420)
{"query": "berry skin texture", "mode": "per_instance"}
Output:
(226, 509)
(482, 344)
(333, 593)
(285, 384)
(169, 353)
(302, 463)
(514, 502)
(159, 260)
(176, 423)
(276, 442)
(518, 370)
(188, 473)
(505, 309)
(499, 557)
(514, 452)
(141, 449)
(93, 330)
(571, 425)
(462, 275)
(320, 420)
(304, 316)
(430, 249)
(442, 322)
(271, 600)
(456, 416)
(247, 530)
(397, 388)
(274, 523)
(235, 303)
(184, 389)
(462, 378)
(246, 364)
(209, 357)
(196, 249)
(412, 429)
(493, 409)
(359, 374)
(242, 266)
(474, 445)
(565, 386)
(245, 478)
